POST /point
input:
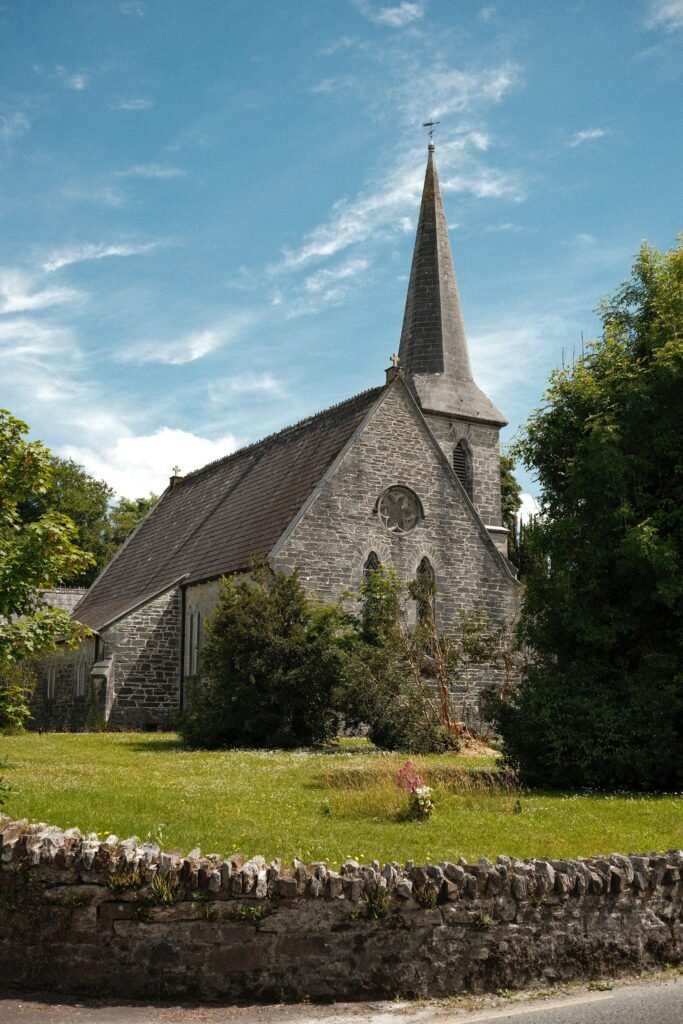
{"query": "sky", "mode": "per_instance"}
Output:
(207, 210)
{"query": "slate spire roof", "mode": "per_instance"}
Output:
(433, 349)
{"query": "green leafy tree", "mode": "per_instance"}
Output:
(273, 661)
(601, 703)
(511, 502)
(34, 556)
(124, 517)
(102, 524)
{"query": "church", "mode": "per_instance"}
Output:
(406, 474)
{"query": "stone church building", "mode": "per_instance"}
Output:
(406, 474)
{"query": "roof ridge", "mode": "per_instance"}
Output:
(278, 433)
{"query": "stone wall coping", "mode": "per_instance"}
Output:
(130, 864)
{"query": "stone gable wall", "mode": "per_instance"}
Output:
(146, 647)
(332, 540)
(123, 919)
(483, 441)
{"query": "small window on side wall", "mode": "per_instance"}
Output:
(425, 591)
(462, 464)
(372, 564)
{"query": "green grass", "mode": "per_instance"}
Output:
(317, 806)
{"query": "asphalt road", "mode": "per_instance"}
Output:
(656, 1002)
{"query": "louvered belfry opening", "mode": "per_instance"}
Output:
(461, 465)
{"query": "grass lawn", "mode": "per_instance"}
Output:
(317, 806)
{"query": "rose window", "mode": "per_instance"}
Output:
(399, 509)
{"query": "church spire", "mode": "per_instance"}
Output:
(433, 349)
(433, 337)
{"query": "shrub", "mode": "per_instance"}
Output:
(272, 662)
(17, 682)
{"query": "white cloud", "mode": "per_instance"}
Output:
(135, 465)
(152, 171)
(383, 207)
(529, 507)
(486, 13)
(223, 390)
(59, 258)
(587, 135)
(23, 337)
(666, 14)
(13, 125)
(20, 292)
(136, 103)
(101, 195)
(444, 91)
(77, 82)
(323, 279)
(191, 346)
(133, 7)
(586, 239)
(393, 17)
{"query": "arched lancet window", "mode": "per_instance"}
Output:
(425, 591)
(372, 563)
(462, 464)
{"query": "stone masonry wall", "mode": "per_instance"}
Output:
(483, 441)
(67, 710)
(331, 542)
(146, 649)
(123, 919)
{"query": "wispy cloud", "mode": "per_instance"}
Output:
(13, 125)
(190, 347)
(226, 388)
(158, 171)
(135, 103)
(20, 292)
(100, 195)
(59, 258)
(665, 14)
(587, 135)
(382, 207)
(393, 17)
(137, 464)
(76, 80)
(486, 13)
(343, 43)
(132, 7)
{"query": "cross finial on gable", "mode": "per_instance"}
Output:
(176, 471)
(395, 361)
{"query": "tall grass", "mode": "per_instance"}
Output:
(315, 805)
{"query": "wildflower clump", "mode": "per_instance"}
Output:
(421, 804)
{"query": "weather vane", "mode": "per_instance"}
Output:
(431, 125)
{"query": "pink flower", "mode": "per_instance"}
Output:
(408, 778)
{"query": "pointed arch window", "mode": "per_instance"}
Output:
(372, 564)
(462, 464)
(425, 591)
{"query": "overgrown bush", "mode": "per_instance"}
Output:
(271, 664)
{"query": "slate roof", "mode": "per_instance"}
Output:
(215, 520)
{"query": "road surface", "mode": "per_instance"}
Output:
(654, 1002)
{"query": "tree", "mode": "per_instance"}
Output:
(102, 524)
(511, 502)
(34, 556)
(272, 661)
(601, 703)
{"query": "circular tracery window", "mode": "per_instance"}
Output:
(399, 510)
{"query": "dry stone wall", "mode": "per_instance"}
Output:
(123, 918)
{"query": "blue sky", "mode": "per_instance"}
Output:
(207, 210)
